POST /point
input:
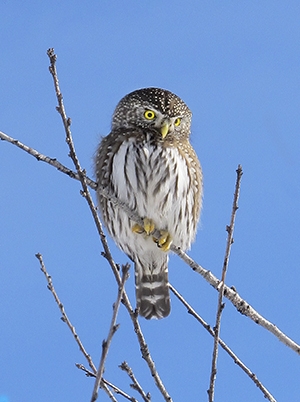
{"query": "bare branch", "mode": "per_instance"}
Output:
(221, 287)
(108, 392)
(113, 328)
(208, 328)
(239, 303)
(135, 384)
(116, 389)
(66, 319)
(120, 392)
(82, 176)
(40, 157)
(88, 373)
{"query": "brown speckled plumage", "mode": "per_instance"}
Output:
(158, 176)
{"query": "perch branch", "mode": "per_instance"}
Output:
(231, 294)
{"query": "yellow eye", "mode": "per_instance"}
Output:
(177, 121)
(149, 114)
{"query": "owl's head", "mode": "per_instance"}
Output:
(154, 108)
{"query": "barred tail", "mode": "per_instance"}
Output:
(152, 290)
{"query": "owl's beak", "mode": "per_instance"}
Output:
(164, 128)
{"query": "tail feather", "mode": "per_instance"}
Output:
(152, 290)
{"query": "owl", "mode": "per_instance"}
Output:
(148, 163)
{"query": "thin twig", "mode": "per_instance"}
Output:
(116, 389)
(135, 384)
(108, 392)
(251, 375)
(40, 157)
(120, 392)
(230, 293)
(66, 319)
(88, 373)
(220, 306)
(82, 176)
(113, 328)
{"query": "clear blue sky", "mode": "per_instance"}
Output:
(236, 64)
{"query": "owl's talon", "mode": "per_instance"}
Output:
(148, 227)
(137, 229)
(164, 241)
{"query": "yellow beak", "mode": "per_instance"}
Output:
(164, 129)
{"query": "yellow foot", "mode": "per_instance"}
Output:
(164, 241)
(147, 228)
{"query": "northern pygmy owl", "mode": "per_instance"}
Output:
(148, 162)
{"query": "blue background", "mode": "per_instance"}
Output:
(236, 64)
